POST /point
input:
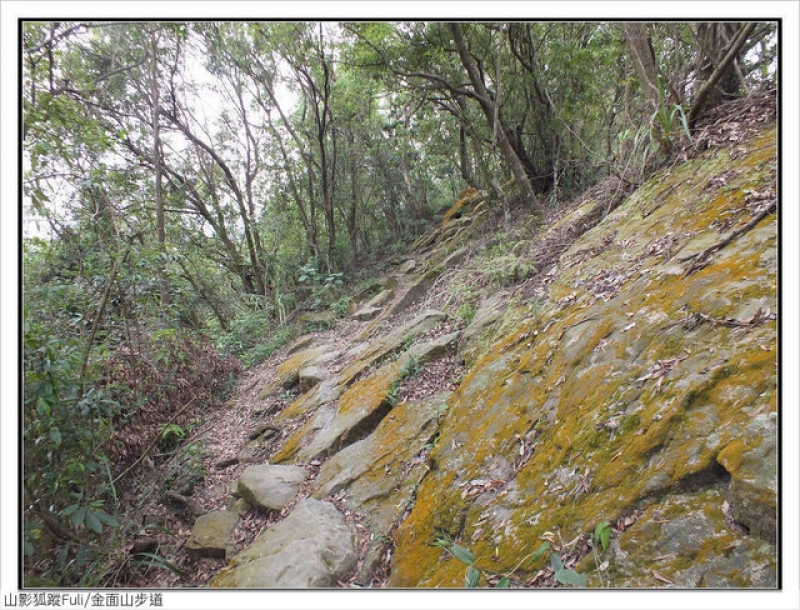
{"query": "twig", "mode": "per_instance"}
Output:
(699, 258)
(155, 440)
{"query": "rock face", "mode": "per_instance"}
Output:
(270, 487)
(640, 379)
(312, 548)
(640, 389)
(288, 374)
(479, 334)
(379, 472)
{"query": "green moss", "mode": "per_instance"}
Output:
(574, 367)
(630, 423)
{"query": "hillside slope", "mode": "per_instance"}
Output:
(497, 391)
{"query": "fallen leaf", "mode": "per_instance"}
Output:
(659, 576)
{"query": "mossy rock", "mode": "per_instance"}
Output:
(314, 547)
(211, 534)
(618, 393)
(288, 374)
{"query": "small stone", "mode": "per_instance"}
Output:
(211, 532)
(271, 487)
(407, 267)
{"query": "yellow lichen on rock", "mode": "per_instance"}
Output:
(635, 383)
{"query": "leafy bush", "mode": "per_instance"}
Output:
(246, 333)
(323, 286)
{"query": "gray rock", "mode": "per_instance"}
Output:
(479, 332)
(240, 506)
(380, 299)
(379, 472)
(413, 292)
(211, 533)
(366, 313)
(311, 376)
(313, 547)
(407, 267)
(391, 343)
(318, 318)
(270, 486)
(454, 258)
(301, 343)
(434, 349)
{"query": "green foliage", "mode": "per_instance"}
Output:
(90, 515)
(170, 436)
(667, 121)
(564, 575)
(602, 534)
(342, 306)
(539, 552)
(189, 471)
(411, 367)
(323, 286)
(157, 561)
(254, 337)
(506, 269)
(466, 311)
(31, 533)
(393, 395)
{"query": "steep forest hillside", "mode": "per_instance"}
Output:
(620, 409)
(403, 305)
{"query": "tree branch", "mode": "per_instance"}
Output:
(708, 86)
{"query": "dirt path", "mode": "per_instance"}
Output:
(214, 445)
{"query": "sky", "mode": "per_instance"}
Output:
(10, 11)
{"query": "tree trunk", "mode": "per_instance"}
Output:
(157, 164)
(488, 105)
(718, 47)
(644, 59)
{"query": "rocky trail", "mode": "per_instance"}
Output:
(229, 514)
(494, 391)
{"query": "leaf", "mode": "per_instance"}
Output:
(159, 562)
(109, 520)
(69, 510)
(556, 563)
(659, 576)
(55, 436)
(544, 547)
(602, 534)
(78, 516)
(473, 576)
(570, 577)
(503, 584)
(42, 407)
(93, 523)
(462, 554)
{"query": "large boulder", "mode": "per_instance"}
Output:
(313, 547)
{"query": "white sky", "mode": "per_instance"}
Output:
(789, 598)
